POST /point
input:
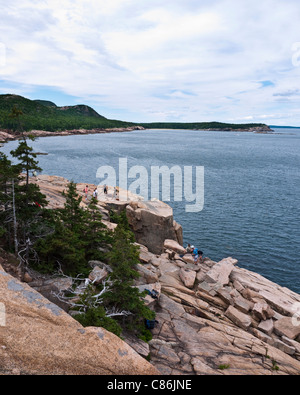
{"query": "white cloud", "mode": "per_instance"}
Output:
(188, 60)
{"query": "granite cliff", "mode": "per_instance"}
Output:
(213, 318)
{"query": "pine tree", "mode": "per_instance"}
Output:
(63, 249)
(27, 162)
(123, 295)
(65, 246)
(28, 201)
(96, 234)
(8, 178)
(73, 214)
(78, 235)
(15, 115)
(22, 204)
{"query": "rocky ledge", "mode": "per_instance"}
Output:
(213, 318)
(151, 221)
(38, 337)
(217, 318)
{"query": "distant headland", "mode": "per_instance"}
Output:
(44, 118)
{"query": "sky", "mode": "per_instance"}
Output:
(157, 61)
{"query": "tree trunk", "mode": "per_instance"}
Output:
(14, 217)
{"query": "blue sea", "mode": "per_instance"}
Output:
(251, 187)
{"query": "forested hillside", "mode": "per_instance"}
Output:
(203, 126)
(45, 115)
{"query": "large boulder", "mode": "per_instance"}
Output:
(188, 277)
(174, 246)
(152, 223)
(240, 319)
(221, 271)
(262, 311)
(38, 337)
(287, 326)
(97, 275)
(260, 289)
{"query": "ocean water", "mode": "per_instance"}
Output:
(251, 187)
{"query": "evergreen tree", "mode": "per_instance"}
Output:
(28, 200)
(62, 249)
(78, 234)
(65, 246)
(27, 162)
(15, 115)
(22, 204)
(97, 317)
(8, 178)
(121, 306)
(123, 295)
(73, 215)
(96, 234)
(7, 172)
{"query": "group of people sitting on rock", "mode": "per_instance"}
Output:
(196, 253)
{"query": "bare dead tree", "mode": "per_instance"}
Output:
(83, 297)
(114, 312)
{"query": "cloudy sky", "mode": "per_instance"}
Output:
(157, 60)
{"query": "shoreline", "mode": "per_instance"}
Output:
(7, 135)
